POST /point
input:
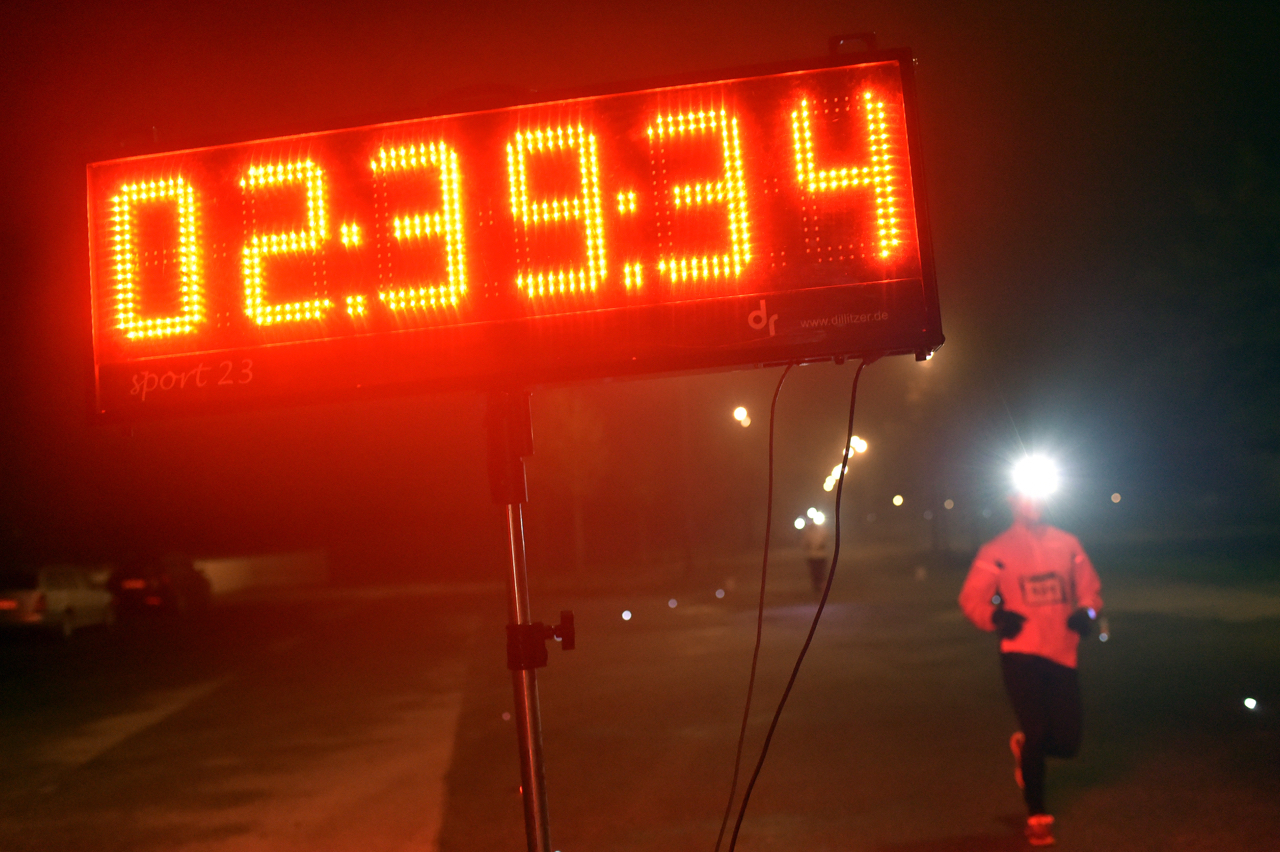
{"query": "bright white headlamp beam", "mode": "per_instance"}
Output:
(1035, 476)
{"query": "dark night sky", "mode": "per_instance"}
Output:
(1104, 182)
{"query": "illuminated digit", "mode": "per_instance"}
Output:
(261, 246)
(128, 270)
(879, 175)
(731, 191)
(633, 275)
(446, 223)
(584, 207)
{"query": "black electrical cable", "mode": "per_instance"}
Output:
(764, 573)
(822, 603)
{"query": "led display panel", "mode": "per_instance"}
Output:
(768, 216)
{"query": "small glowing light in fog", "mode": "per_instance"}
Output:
(672, 603)
(746, 421)
(1251, 704)
(1035, 476)
(897, 499)
(948, 505)
(928, 514)
(835, 471)
(719, 593)
(859, 445)
(799, 523)
(819, 519)
(1115, 498)
(829, 484)
(812, 513)
(739, 414)
(506, 717)
(626, 615)
(1102, 637)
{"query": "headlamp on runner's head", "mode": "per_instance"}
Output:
(1035, 477)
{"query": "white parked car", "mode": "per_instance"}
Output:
(53, 597)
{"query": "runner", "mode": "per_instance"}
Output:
(1035, 587)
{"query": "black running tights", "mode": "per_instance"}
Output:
(1046, 700)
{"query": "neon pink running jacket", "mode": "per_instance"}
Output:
(1044, 575)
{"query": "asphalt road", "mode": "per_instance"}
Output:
(373, 719)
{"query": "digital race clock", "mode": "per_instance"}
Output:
(768, 216)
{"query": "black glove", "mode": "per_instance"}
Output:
(1081, 621)
(1007, 624)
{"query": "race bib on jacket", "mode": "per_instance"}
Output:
(1044, 589)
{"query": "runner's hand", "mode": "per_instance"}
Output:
(1008, 624)
(1081, 621)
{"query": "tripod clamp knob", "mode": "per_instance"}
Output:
(527, 643)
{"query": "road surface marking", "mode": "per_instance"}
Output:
(102, 735)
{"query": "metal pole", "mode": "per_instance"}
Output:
(510, 440)
(525, 685)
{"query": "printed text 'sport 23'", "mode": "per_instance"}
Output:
(772, 215)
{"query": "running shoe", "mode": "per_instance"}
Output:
(1040, 830)
(1015, 745)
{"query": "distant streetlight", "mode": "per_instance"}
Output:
(897, 500)
(799, 523)
(740, 414)
(856, 446)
